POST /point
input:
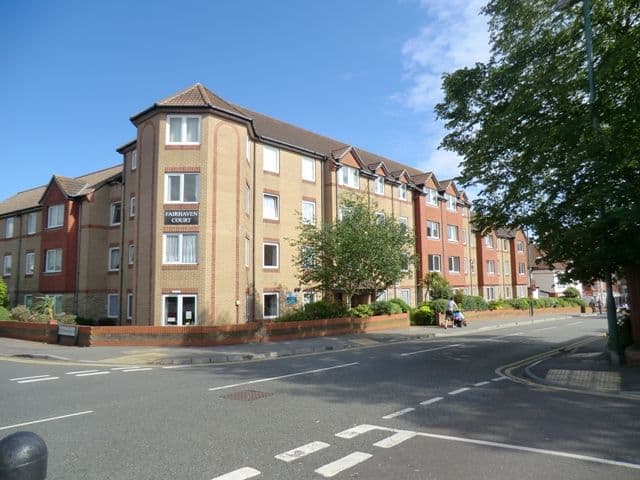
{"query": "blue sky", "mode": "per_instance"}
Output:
(361, 71)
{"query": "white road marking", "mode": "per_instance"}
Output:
(137, 369)
(240, 474)
(430, 350)
(38, 380)
(302, 451)
(351, 460)
(574, 323)
(498, 379)
(503, 336)
(178, 366)
(355, 431)
(124, 368)
(284, 376)
(398, 413)
(45, 420)
(542, 329)
(81, 371)
(431, 400)
(93, 373)
(481, 384)
(460, 390)
(27, 378)
(395, 439)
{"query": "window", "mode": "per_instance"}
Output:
(505, 244)
(247, 150)
(451, 202)
(522, 291)
(309, 213)
(405, 294)
(404, 222)
(180, 248)
(432, 196)
(180, 310)
(402, 192)
(382, 296)
(247, 199)
(271, 257)
(247, 251)
(472, 265)
(31, 223)
(433, 229)
(488, 241)
(308, 169)
(507, 267)
(182, 187)
(7, 261)
(57, 302)
(271, 307)
(521, 269)
(134, 159)
(55, 216)
(465, 236)
(349, 177)
(434, 263)
(115, 213)
(183, 129)
(452, 233)
(53, 260)
(8, 227)
(307, 258)
(490, 293)
(379, 185)
(29, 263)
(507, 292)
(114, 259)
(132, 207)
(520, 246)
(491, 267)
(270, 159)
(271, 207)
(379, 218)
(113, 305)
(132, 254)
(465, 264)
(405, 262)
(129, 306)
(28, 301)
(308, 297)
(454, 264)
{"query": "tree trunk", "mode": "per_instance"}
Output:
(632, 274)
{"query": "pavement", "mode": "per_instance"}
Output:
(583, 368)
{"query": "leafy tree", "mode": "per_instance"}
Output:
(437, 286)
(4, 294)
(542, 154)
(357, 254)
(571, 292)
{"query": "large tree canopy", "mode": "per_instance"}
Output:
(523, 124)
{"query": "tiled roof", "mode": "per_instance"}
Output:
(72, 187)
(197, 96)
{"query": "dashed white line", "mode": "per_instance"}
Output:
(240, 474)
(102, 372)
(499, 379)
(284, 376)
(177, 366)
(28, 378)
(460, 390)
(481, 384)
(81, 371)
(395, 439)
(351, 460)
(38, 380)
(46, 420)
(430, 350)
(124, 368)
(398, 413)
(355, 431)
(137, 370)
(302, 451)
(431, 400)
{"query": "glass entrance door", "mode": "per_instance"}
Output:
(180, 310)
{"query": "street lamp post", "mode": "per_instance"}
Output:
(588, 37)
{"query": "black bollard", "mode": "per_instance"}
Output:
(23, 456)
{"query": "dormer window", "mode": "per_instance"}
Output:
(349, 177)
(451, 202)
(432, 196)
(183, 130)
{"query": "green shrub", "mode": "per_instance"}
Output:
(362, 311)
(4, 294)
(403, 305)
(498, 304)
(473, 302)
(520, 303)
(20, 314)
(423, 315)
(66, 318)
(439, 305)
(458, 296)
(383, 307)
(4, 314)
(324, 309)
(571, 292)
(293, 316)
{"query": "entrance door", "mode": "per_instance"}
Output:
(180, 310)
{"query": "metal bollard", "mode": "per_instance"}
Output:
(23, 456)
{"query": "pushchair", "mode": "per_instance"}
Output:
(458, 319)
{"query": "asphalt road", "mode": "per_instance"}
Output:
(426, 409)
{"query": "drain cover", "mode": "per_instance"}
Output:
(247, 395)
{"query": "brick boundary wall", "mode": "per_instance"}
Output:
(35, 332)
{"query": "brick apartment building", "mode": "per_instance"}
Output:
(193, 226)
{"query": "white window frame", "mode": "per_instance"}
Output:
(51, 262)
(112, 212)
(132, 206)
(247, 252)
(179, 311)
(520, 246)
(55, 216)
(431, 263)
(7, 265)
(180, 248)
(405, 294)
(9, 227)
(264, 304)
(465, 236)
(134, 160)
(431, 196)
(32, 223)
(402, 191)
(451, 202)
(379, 217)
(465, 265)
(110, 313)
(435, 229)
(404, 221)
(382, 296)
(522, 268)
(491, 267)
(27, 300)
(308, 296)
(277, 205)
(247, 199)
(247, 149)
(454, 264)
(405, 263)
(490, 293)
(379, 185)
(264, 256)
(505, 244)
(183, 129)
(110, 265)
(308, 172)
(507, 267)
(29, 263)
(488, 241)
(522, 291)
(129, 306)
(131, 254)
(167, 189)
(271, 165)
(349, 177)
(312, 207)
(453, 233)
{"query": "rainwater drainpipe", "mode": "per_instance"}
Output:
(124, 218)
(252, 291)
(76, 287)
(17, 293)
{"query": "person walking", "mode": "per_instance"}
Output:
(448, 313)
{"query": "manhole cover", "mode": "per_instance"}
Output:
(247, 395)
